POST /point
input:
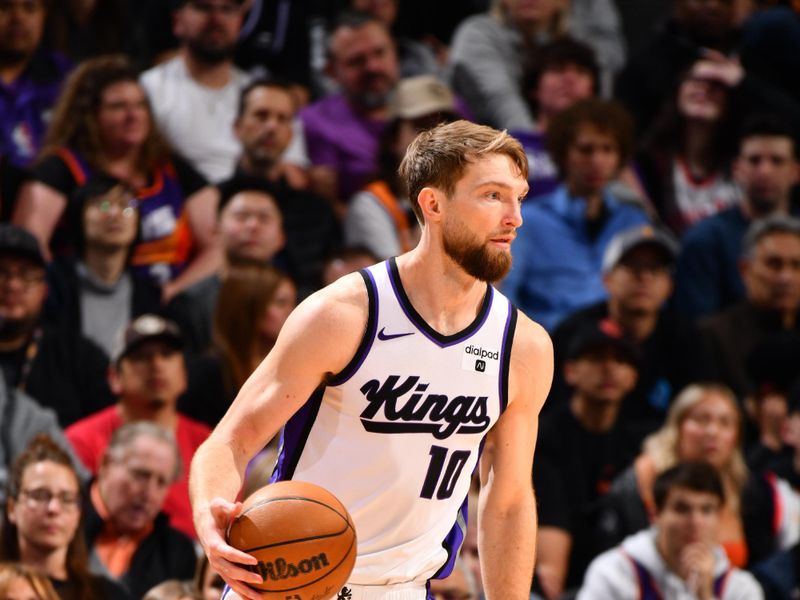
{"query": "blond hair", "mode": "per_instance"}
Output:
(662, 446)
(558, 22)
(438, 157)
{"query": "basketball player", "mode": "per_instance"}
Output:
(394, 381)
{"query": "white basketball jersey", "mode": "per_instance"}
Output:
(397, 434)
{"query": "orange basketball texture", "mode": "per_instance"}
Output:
(301, 535)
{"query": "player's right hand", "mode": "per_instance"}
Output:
(226, 560)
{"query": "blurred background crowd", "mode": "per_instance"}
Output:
(176, 175)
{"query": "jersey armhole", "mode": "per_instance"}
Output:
(505, 354)
(369, 332)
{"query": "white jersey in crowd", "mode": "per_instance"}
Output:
(634, 570)
(397, 434)
(196, 120)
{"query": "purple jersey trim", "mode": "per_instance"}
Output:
(294, 436)
(452, 543)
(443, 341)
(369, 333)
(505, 355)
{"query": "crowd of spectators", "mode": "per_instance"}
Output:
(176, 175)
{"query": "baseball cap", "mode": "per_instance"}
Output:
(627, 240)
(601, 335)
(144, 329)
(19, 242)
(419, 96)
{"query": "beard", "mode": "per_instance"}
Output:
(12, 329)
(475, 257)
(210, 54)
(763, 205)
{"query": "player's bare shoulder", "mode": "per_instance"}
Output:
(531, 368)
(344, 301)
(330, 323)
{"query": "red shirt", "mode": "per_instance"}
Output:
(90, 436)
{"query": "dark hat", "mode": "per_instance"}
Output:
(627, 240)
(602, 335)
(19, 242)
(144, 329)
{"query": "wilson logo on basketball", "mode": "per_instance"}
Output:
(281, 569)
(407, 408)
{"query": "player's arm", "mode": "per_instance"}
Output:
(507, 508)
(319, 338)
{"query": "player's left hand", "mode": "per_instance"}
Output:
(226, 560)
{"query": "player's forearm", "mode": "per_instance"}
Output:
(215, 472)
(507, 548)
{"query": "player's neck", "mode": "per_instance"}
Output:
(440, 291)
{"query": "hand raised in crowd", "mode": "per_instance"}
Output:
(716, 66)
(697, 569)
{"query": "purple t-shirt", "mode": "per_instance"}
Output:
(339, 138)
(25, 105)
(542, 172)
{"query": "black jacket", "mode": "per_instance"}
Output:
(164, 554)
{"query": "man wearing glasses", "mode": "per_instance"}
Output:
(96, 292)
(59, 369)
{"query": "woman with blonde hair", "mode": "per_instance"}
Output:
(18, 582)
(704, 424)
(103, 125)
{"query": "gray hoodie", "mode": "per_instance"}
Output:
(612, 576)
(21, 418)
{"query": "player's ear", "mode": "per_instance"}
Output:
(430, 204)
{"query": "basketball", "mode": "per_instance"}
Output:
(301, 535)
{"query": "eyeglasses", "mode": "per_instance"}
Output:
(127, 207)
(28, 276)
(41, 497)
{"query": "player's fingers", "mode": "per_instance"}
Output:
(244, 592)
(236, 577)
(223, 511)
(223, 551)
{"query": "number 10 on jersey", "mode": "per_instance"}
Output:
(443, 472)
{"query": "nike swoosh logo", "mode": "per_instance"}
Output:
(390, 336)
